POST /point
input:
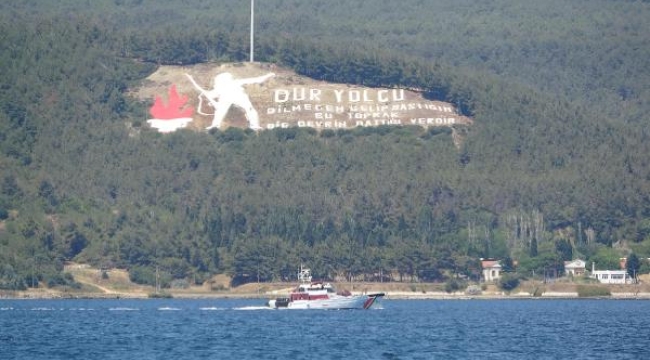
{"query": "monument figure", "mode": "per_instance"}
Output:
(226, 92)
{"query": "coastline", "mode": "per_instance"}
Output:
(389, 295)
(116, 284)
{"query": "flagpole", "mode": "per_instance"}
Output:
(252, 30)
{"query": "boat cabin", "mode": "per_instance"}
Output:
(311, 290)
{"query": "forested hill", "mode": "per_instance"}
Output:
(554, 166)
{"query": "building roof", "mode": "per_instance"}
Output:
(490, 264)
(620, 272)
(575, 264)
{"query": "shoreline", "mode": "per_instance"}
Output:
(389, 295)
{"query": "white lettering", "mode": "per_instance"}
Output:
(382, 95)
(320, 115)
(314, 94)
(277, 124)
(298, 94)
(281, 96)
(398, 95)
(339, 95)
(376, 122)
(366, 98)
(323, 124)
(433, 121)
(354, 96)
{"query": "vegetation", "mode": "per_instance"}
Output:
(632, 266)
(508, 282)
(160, 296)
(554, 167)
(593, 291)
(454, 285)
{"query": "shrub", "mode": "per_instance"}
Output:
(453, 285)
(508, 282)
(593, 291)
(59, 279)
(200, 278)
(146, 276)
(4, 214)
(180, 284)
(162, 295)
(10, 279)
(142, 275)
(218, 287)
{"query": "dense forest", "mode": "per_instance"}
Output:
(555, 166)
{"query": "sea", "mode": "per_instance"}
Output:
(237, 329)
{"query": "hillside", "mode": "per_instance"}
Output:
(551, 167)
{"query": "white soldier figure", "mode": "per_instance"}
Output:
(228, 91)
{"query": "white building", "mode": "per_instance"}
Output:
(575, 267)
(491, 270)
(610, 276)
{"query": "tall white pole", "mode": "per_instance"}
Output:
(252, 30)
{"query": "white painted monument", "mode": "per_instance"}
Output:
(264, 96)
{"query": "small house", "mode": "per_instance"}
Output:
(491, 269)
(575, 267)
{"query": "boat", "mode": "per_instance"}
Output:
(322, 295)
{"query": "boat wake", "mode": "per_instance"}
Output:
(248, 308)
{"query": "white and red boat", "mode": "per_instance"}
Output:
(320, 295)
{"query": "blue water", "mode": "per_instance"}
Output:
(402, 329)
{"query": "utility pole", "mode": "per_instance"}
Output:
(157, 280)
(252, 31)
